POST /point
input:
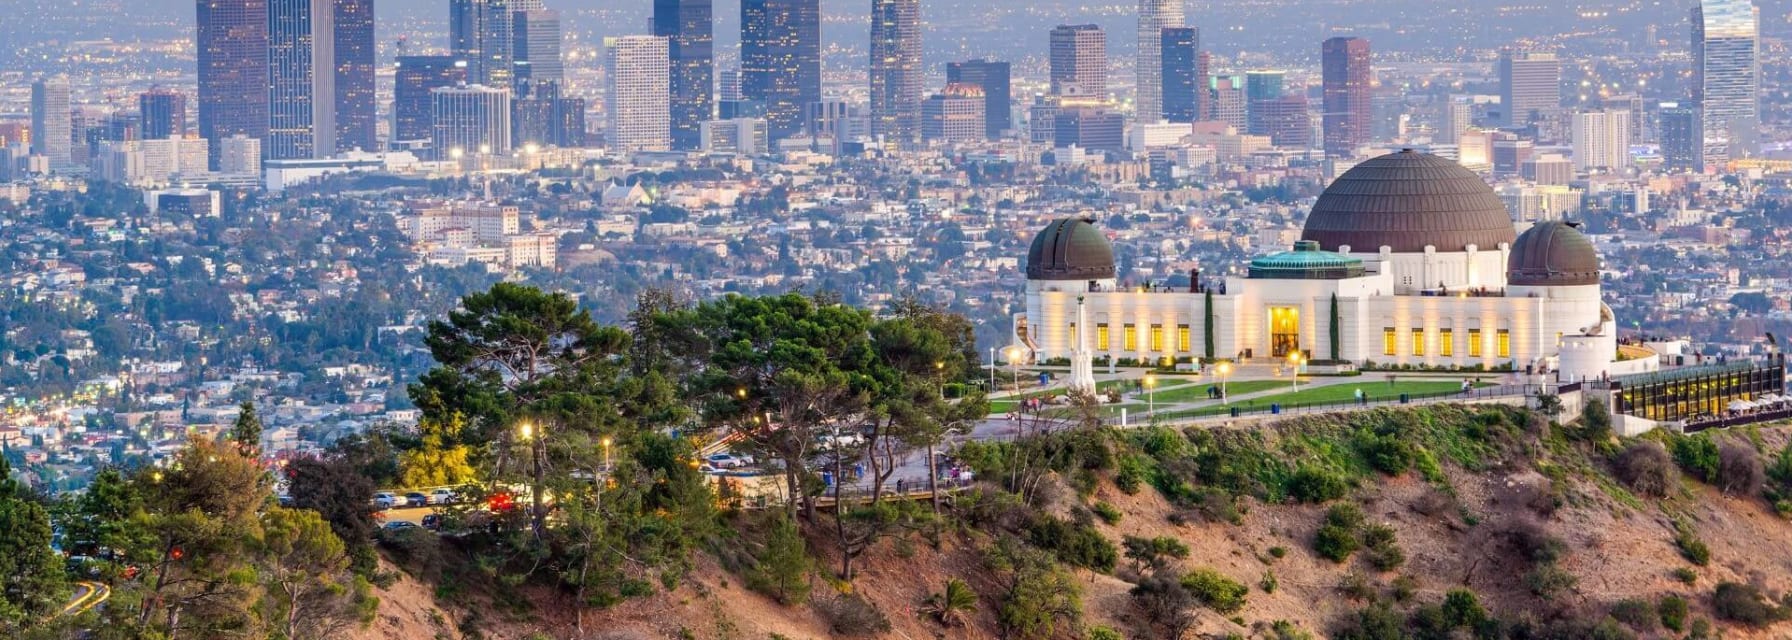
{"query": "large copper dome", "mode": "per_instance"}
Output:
(1407, 201)
(1552, 254)
(1070, 249)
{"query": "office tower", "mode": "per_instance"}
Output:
(895, 69)
(544, 118)
(993, 78)
(955, 114)
(1347, 85)
(1090, 128)
(1510, 152)
(164, 114)
(232, 47)
(1530, 86)
(302, 79)
(689, 28)
(52, 127)
(1634, 104)
(1681, 133)
(1601, 140)
(1454, 116)
(413, 108)
(238, 155)
(482, 33)
(1264, 85)
(635, 103)
(1154, 17)
(780, 60)
(1079, 61)
(1183, 77)
(1285, 120)
(1228, 102)
(357, 118)
(535, 41)
(1726, 76)
(471, 119)
(746, 136)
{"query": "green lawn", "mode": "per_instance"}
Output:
(1006, 404)
(1197, 393)
(1334, 394)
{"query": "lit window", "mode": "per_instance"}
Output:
(1101, 337)
(1505, 338)
(1446, 343)
(1130, 337)
(1418, 342)
(1182, 338)
(1474, 343)
(1157, 338)
(1389, 343)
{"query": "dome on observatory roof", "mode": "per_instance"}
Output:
(1552, 254)
(1070, 249)
(1407, 201)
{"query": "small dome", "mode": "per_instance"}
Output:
(1408, 201)
(1070, 249)
(1552, 254)
(1306, 262)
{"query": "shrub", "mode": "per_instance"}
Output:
(1548, 581)
(1099, 632)
(1696, 455)
(1639, 613)
(1039, 597)
(782, 567)
(1285, 630)
(1686, 575)
(1107, 512)
(1165, 603)
(1356, 586)
(1387, 453)
(1530, 540)
(1673, 612)
(952, 606)
(1278, 552)
(1314, 485)
(1269, 583)
(1739, 469)
(1152, 553)
(1595, 422)
(1691, 547)
(1701, 630)
(1338, 537)
(1405, 588)
(1076, 544)
(1131, 473)
(1463, 610)
(1381, 548)
(1220, 593)
(850, 615)
(1646, 468)
(1376, 622)
(1743, 603)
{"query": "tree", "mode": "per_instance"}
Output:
(952, 606)
(1646, 467)
(201, 518)
(246, 432)
(1739, 468)
(1166, 605)
(440, 457)
(783, 568)
(1038, 596)
(310, 593)
(334, 489)
(32, 585)
(1595, 422)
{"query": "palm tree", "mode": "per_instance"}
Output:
(953, 605)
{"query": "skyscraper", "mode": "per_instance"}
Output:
(535, 39)
(1260, 89)
(302, 79)
(955, 114)
(994, 79)
(164, 113)
(232, 47)
(1682, 136)
(1454, 117)
(637, 100)
(1602, 140)
(1285, 120)
(52, 128)
(356, 116)
(1183, 79)
(1079, 60)
(1347, 85)
(896, 69)
(1530, 86)
(471, 119)
(1154, 17)
(689, 27)
(481, 32)
(413, 108)
(1726, 76)
(780, 60)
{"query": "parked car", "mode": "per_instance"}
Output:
(384, 501)
(443, 496)
(729, 461)
(416, 499)
(432, 522)
(400, 525)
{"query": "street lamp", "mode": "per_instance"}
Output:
(1150, 393)
(992, 372)
(1295, 359)
(1225, 370)
(606, 442)
(1013, 354)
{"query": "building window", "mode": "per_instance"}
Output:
(1389, 344)
(1474, 343)
(1157, 338)
(1130, 337)
(1505, 338)
(1418, 342)
(1182, 339)
(1101, 337)
(1446, 343)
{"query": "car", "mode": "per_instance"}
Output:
(385, 501)
(416, 499)
(830, 441)
(400, 525)
(729, 461)
(432, 522)
(443, 496)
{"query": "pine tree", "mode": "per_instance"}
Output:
(246, 433)
(783, 570)
(32, 583)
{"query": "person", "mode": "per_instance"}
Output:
(901, 486)
(1359, 396)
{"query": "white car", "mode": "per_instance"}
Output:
(385, 501)
(443, 496)
(729, 461)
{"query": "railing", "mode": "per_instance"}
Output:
(1738, 420)
(1256, 407)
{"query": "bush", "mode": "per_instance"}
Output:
(1099, 632)
(1686, 575)
(1673, 613)
(782, 567)
(1387, 453)
(1640, 614)
(1691, 547)
(1381, 548)
(1165, 604)
(1152, 553)
(850, 615)
(1131, 473)
(1463, 610)
(1220, 593)
(1285, 630)
(1595, 422)
(1376, 622)
(1269, 583)
(1075, 544)
(1744, 604)
(1646, 468)
(1107, 512)
(1338, 537)
(1697, 456)
(1739, 469)
(1278, 552)
(1314, 485)
(1549, 580)
(953, 605)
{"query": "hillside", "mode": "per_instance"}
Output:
(1482, 495)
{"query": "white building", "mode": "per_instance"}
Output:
(637, 103)
(51, 123)
(471, 119)
(1602, 140)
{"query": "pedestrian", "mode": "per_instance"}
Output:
(901, 486)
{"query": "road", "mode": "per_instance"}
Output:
(87, 596)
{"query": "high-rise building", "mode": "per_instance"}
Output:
(1726, 76)
(544, 118)
(1285, 120)
(164, 113)
(482, 33)
(52, 127)
(1530, 86)
(1228, 102)
(896, 69)
(1154, 17)
(241, 155)
(955, 114)
(993, 78)
(1079, 60)
(232, 48)
(1264, 84)
(471, 119)
(780, 60)
(1454, 116)
(728, 84)
(357, 116)
(1091, 128)
(1183, 78)
(1681, 133)
(689, 27)
(1347, 90)
(413, 108)
(636, 102)
(746, 136)
(828, 122)
(1601, 140)
(535, 41)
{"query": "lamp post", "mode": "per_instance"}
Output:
(1295, 359)
(606, 443)
(1013, 354)
(1225, 370)
(1150, 394)
(525, 431)
(992, 372)
(939, 377)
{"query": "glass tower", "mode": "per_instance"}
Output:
(1726, 76)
